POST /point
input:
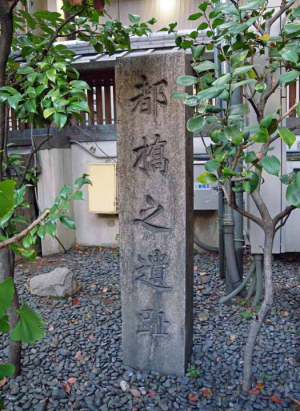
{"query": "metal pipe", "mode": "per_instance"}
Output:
(236, 98)
(240, 288)
(205, 246)
(258, 258)
(222, 265)
(233, 278)
(252, 287)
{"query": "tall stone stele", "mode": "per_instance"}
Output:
(155, 180)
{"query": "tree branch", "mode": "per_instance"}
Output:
(23, 233)
(50, 43)
(245, 213)
(283, 8)
(13, 5)
(286, 212)
(34, 150)
(261, 206)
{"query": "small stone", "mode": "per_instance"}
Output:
(124, 386)
(59, 394)
(42, 406)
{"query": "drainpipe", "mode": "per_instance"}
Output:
(237, 217)
(222, 265)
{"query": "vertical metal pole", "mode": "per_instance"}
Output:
(222, 265)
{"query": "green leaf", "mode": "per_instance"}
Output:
(13, 100)
(239, 109)
(202, 26)
(6, 370)
(80, 106)
(205, 66)
(234, 133)
(191, 101)
(288, 178)
(42, 231)
(51, 74)
(293, 192)
(4, 325)
(3, 97)
(60, 120)
(298, 107)
(291, 28)
(9, 89)
(80, 84)
(186, 80)
(241, 70)
(80, 181)
(261, 87)
(287, 136)
(246, 314)
(251, 5)
(251, 185)
(196, 124)
(178, 95)
(7, 291)
(30, 106)
(68, 222)
(251, 156)
(48, 112)
(209, 93)
(30, 326)
(27, 241)
(135, 19)
(261, 136)
(236, 59)
(7, 200)
(195, 16)
(243, 83)
(198, 51)
(207, 178)
(65, 192)
(271, 164)
(290, 55)
(212, 165)
(77, 196)
(25, 70)
(222, 80)
(267, 121)
(51, 227)
(203, 6)
(289, 76)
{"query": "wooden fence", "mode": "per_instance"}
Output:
(101, 101)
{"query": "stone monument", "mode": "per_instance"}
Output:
(155, 181)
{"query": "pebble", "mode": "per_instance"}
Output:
(124, 386)
(92, 327)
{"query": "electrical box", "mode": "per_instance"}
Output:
(103, 192)
(205, 195)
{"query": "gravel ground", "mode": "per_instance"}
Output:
(78, 365)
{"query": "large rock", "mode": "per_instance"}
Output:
(57, 283)
(155, 180)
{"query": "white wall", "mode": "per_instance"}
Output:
(93, 229)
(56, 171)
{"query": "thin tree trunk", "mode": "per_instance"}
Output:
(7, 268)
(6, 34)
(265, 308)
(7, 265)
(15, 347)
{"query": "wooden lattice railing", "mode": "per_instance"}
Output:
(101, 100)
(293, 93)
